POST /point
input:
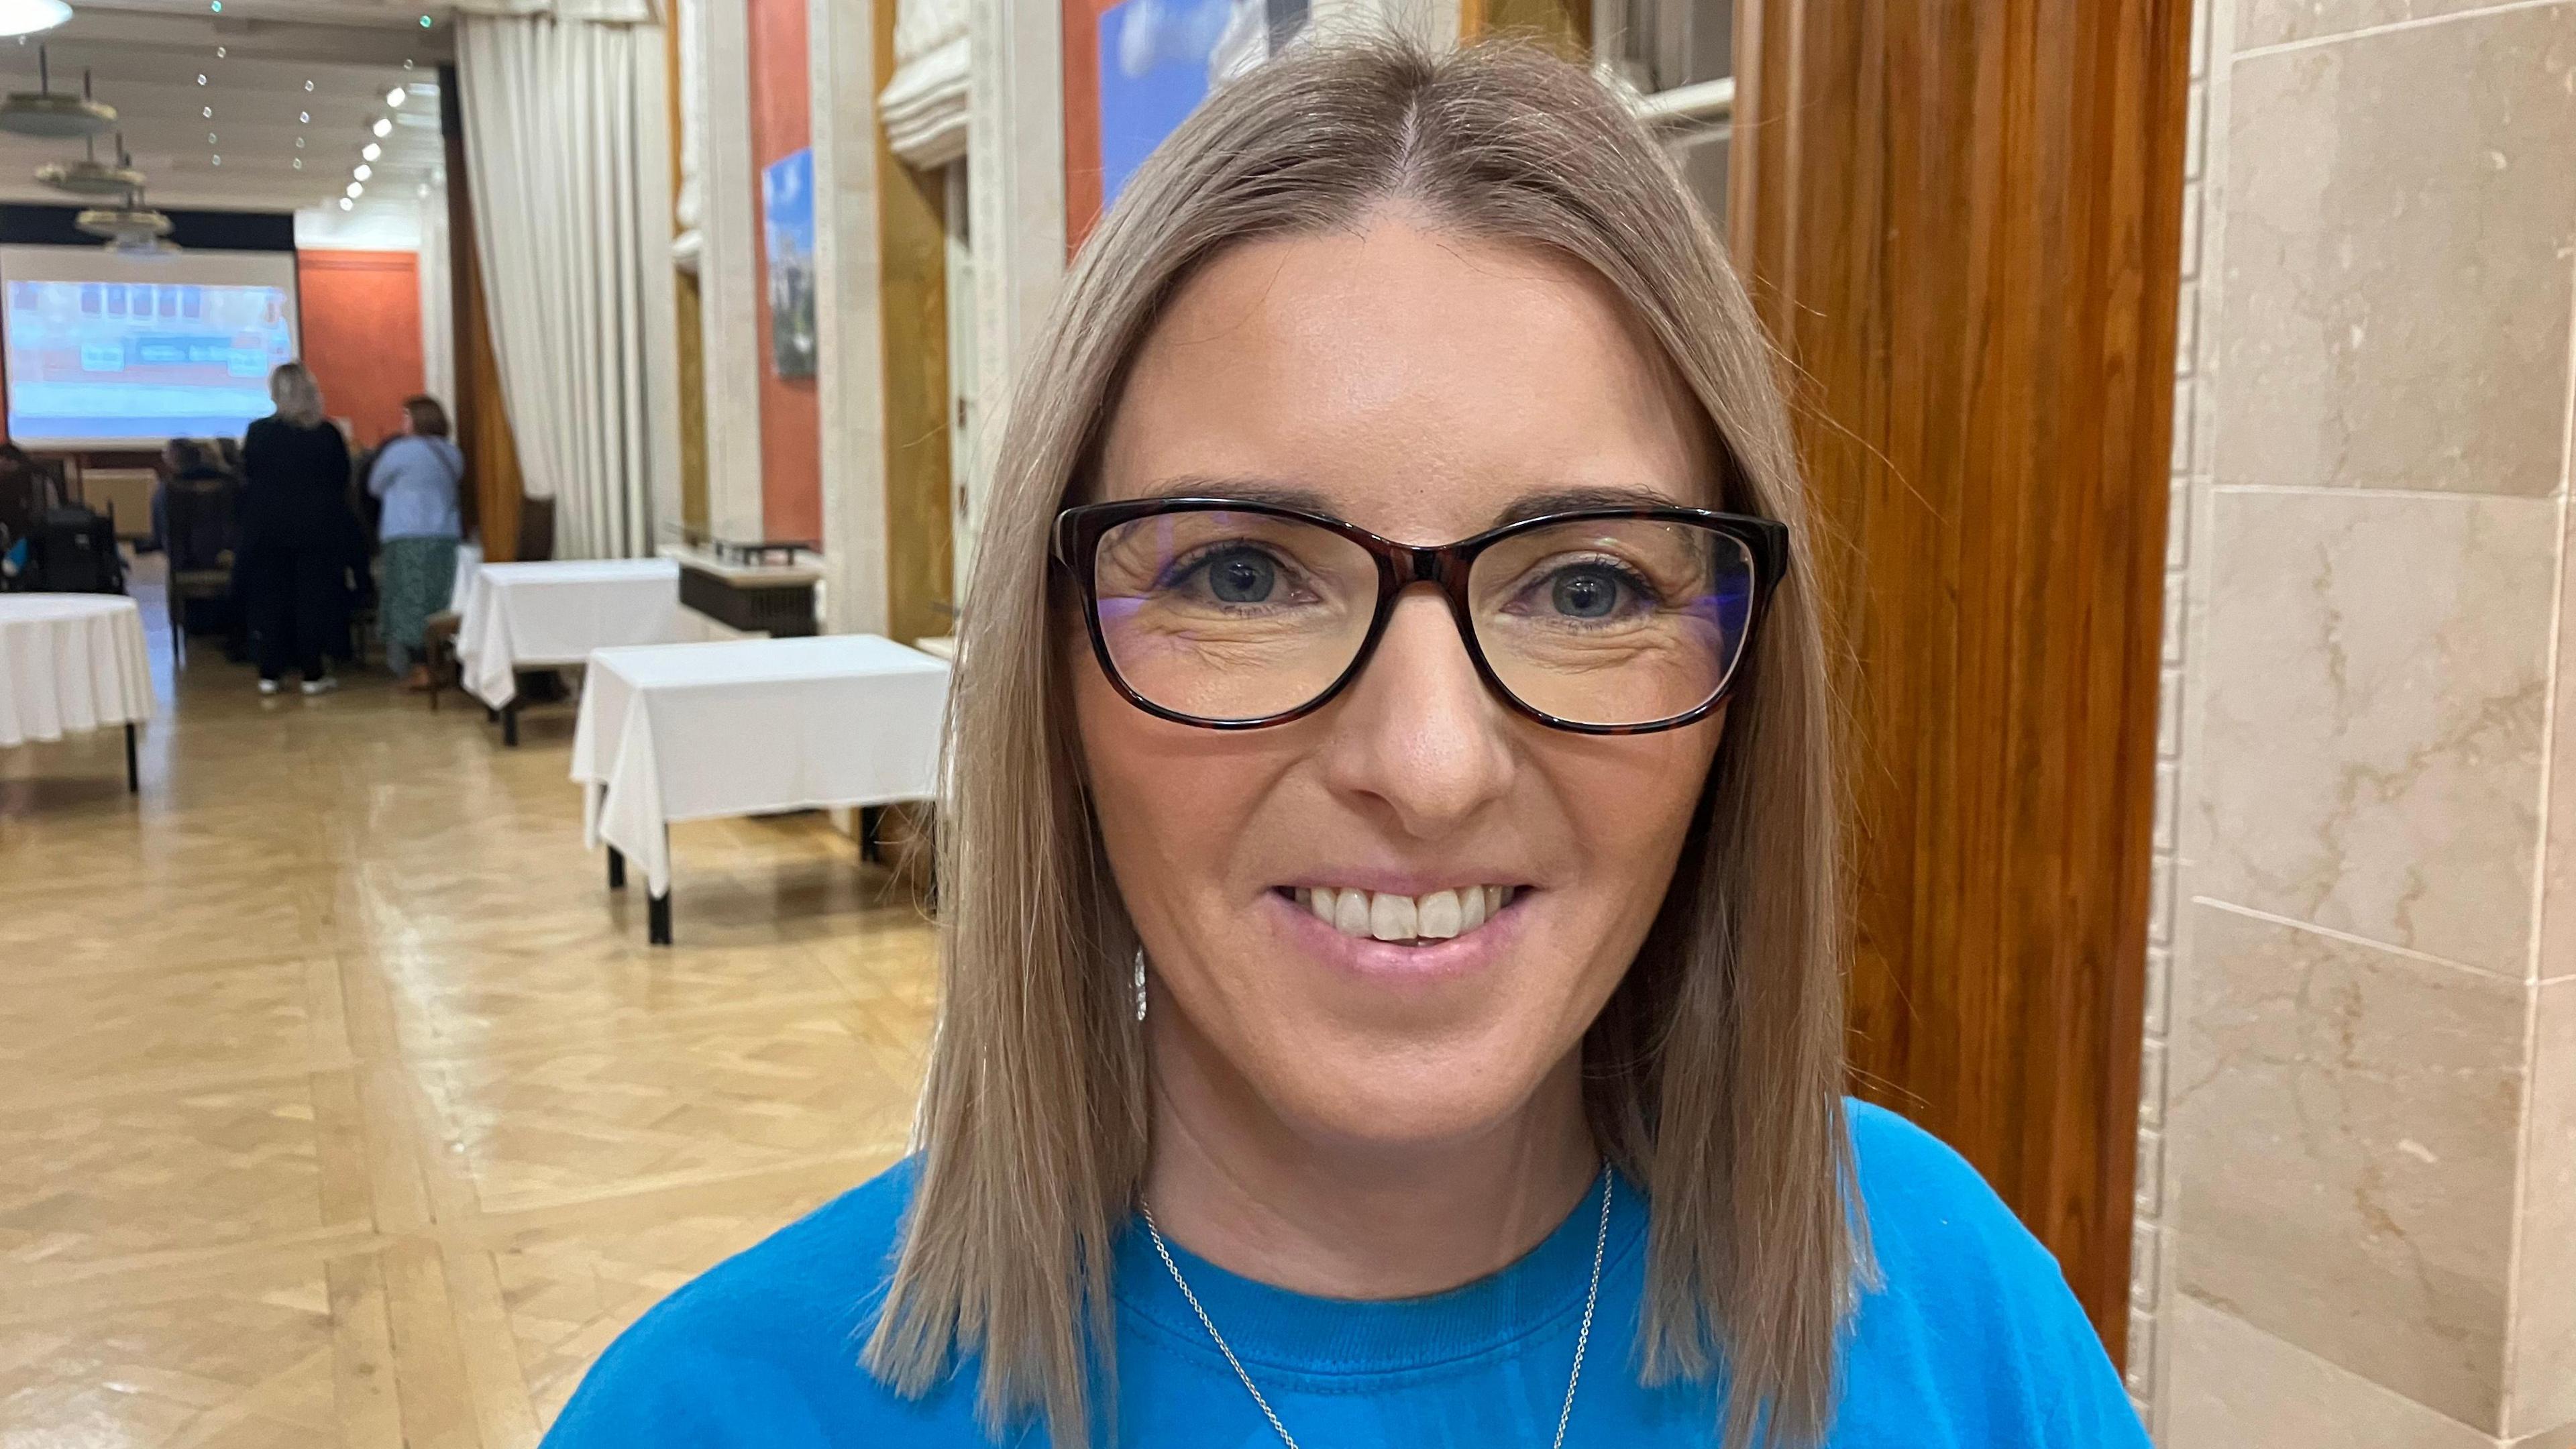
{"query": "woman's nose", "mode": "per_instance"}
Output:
(1417, 736)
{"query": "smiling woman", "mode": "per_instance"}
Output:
(1392, 990)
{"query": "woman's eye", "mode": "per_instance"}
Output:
(1242, 577)
(1586, 592)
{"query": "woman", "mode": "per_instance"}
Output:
(416, 476)
(296, 528)
(1391, 988)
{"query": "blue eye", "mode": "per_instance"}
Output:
(1243, 577)
(1590, 592)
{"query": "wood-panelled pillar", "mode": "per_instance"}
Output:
(1960, 220)
(482, 421)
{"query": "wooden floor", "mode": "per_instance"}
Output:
(342, 1104)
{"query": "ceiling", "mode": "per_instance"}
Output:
(290, 72)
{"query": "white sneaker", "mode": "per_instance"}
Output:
(268, 686)
(324, 685)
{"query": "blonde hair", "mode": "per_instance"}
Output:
(1713, 1076)
(297, 395)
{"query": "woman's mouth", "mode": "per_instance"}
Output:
(1385, 916)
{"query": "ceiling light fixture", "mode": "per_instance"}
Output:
(219, 52)
(308, 85)
(201, 77)
(370, 151)
(424, 22)
(90, 176)
(383, 127)
(28, 17)
(206, 111)
(299, 143)
(55, 116)
(356, 190)
(219, 160)
(299, 163)
(364, 171)
(346, 203)
(210, 138)
(394, 97)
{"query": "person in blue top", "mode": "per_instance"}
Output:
(1391, 900)
(416, 475)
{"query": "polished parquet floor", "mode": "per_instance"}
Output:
(342, 1104)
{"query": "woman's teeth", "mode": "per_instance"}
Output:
(1385, 917)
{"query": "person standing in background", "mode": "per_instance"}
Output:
(296, 525)
(416, 476)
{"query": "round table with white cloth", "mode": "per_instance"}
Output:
(69, 663)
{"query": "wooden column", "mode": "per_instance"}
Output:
(482, 420)
(1960, 220)
(912, 302)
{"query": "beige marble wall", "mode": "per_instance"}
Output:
(2362, 1024)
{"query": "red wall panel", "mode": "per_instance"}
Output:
(791, 447)
(361, 316)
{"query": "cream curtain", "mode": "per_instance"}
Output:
(563, 138)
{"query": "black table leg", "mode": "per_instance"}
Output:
(658, 919)
(133, 772)
(870, 817)
(510, 724)
(616, 869)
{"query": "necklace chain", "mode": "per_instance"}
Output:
(1582, 1339)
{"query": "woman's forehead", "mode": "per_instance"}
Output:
(1420, 384)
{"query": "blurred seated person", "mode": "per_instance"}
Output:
(416, 476)
(203, 534)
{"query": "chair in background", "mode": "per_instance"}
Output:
(197, 531)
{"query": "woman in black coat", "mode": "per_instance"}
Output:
(296, 528)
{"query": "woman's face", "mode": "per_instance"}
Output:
(1425, 387)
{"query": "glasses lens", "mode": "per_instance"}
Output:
(1613, 621)
(1225, 616)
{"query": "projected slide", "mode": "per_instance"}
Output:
(101, 361)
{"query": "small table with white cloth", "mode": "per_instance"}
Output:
(748, 727)
(70, 663)
(546, 615)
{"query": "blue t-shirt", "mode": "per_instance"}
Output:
(1972, 1340)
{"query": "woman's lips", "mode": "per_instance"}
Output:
(1415, 959)
(1393, 916)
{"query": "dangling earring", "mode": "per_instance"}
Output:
(1140, 983)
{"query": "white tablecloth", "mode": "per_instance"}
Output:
(70, 662)
(750, 727)
(534, 615)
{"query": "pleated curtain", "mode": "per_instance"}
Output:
(553, 115)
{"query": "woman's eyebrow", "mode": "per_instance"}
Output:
(1268, 491)
(1568, 500)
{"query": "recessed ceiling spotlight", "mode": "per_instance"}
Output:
(424, 188)
(406, 62)
(219, 160)
(383, 127)
(207, 111)
(370, 151)
(356, 190)
(346, 203)
(299, 163)
(201, 77)
(299, 143)
(210, 138)
(364, 171)
(217, 6)
(219, 52)
(424, 22)
(394, 97)
(308, 85)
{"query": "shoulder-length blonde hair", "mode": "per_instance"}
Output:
(1713, 1076)
(297, 395)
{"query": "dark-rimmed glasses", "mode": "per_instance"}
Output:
(1236, 615)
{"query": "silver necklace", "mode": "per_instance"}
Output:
(1582, 1339)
